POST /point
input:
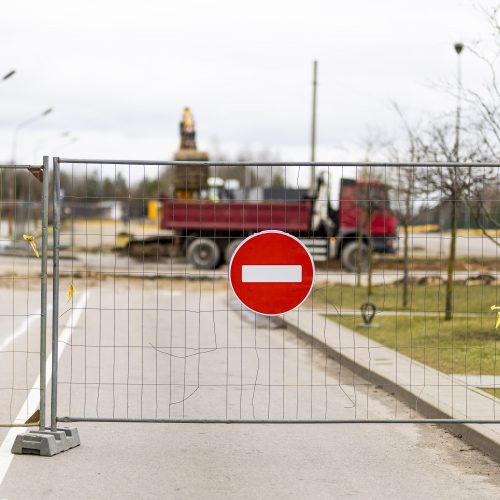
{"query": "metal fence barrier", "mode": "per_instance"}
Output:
(147, 327)
(24, 195)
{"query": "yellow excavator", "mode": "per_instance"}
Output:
(189, 180)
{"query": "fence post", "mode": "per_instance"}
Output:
(43, 319)
(48, 442)
(56, 224)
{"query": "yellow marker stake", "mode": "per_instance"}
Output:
(496, 308)
(71, 291)
(31, 240)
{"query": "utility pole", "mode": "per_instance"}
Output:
(313, 127)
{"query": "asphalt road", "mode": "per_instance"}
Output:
(99, 258)
(437, 245)
(143, 349)
(19, 348)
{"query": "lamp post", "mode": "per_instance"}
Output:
(65, 138)
(21, 126)
(458, 49)
(8, 75)
(453, 205)
(71, 140)
(12, 175)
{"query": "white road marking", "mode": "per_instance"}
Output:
(271, 274)
(31, 404)
(21, 330)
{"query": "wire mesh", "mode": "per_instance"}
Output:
(150, 330)
(23, 258)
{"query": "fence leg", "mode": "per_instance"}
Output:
(49, 442)
(43, 319)
(56, 232)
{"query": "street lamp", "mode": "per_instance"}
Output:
(21, 126)
(12, 175)
(71, 140)
(8, 75)
(458, 49)
(65, 138)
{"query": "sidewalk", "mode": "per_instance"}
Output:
(434, 394)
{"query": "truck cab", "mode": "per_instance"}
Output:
(364, 220)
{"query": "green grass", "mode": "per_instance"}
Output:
(464, 345)
(430, 298)
(493, 392)
(467, 344)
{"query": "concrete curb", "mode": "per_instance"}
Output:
(433, 394)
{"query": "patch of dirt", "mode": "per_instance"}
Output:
(454, 451)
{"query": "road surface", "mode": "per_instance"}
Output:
(183, 351)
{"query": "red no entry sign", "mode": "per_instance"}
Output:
(271, 272)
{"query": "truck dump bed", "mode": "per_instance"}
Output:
(290, 216)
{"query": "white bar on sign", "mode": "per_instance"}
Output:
(271, 274)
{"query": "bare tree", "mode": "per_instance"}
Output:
(455, 186)
(375, 145)
(451, 184)
(484, 103)
(406, 190)
(480, 142)
(485, 120)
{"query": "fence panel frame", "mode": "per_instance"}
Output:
(56, 229)
(55, 323)
(42, 173)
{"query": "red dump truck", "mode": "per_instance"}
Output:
(207, 232)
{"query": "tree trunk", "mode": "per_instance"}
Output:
(370, 269)
(358, 261)
(451, 262)
(370, 253)
(406, 256)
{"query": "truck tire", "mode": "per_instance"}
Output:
(350, 253)
(231, 247)
(203, 253)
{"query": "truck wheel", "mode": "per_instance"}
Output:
(203, 253)
(350, 254)
(231, 247)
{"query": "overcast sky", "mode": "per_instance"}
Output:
(118, 73)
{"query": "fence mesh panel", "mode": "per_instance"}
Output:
(150, 329)
(21, 268)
